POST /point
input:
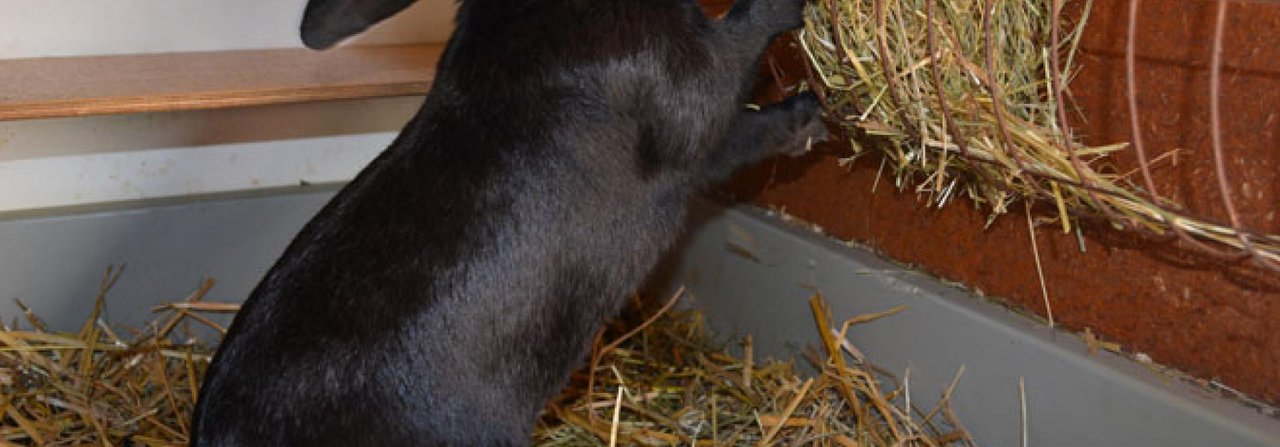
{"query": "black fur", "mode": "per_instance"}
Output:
(447, 292)
(325, 22)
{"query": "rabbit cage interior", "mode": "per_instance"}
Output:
(1043, 223)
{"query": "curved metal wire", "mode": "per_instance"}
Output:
(997, 96)
(1136, 139)
(1059, 105)
(1215, 119)
(932, 39)
(886, 59)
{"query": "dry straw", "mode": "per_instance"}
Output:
(97, 387)
(968, 98)
(666, 383)
(660, 383)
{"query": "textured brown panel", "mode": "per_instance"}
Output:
(1173, 50)
(1212, 319)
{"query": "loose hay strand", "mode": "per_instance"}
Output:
(1035, 255)
(617, 416)
(786, 413)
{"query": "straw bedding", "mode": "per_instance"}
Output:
(657, 380)
(666, 383)
(102, 386)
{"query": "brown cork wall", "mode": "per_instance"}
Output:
(1211, 318)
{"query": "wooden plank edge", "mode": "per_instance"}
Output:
(205, 101)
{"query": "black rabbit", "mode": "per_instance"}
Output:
(447, 292)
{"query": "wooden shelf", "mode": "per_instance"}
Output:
(100, 85)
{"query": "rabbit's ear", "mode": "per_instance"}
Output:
(328, 21)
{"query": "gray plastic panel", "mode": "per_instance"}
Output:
(754, 274)
(54, 263)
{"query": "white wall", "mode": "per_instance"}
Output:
(64, 162)
(53, 163)
(44, 28)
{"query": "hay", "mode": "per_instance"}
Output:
(95, 387)
(968, 97)
(661, 383)
(669, 384)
